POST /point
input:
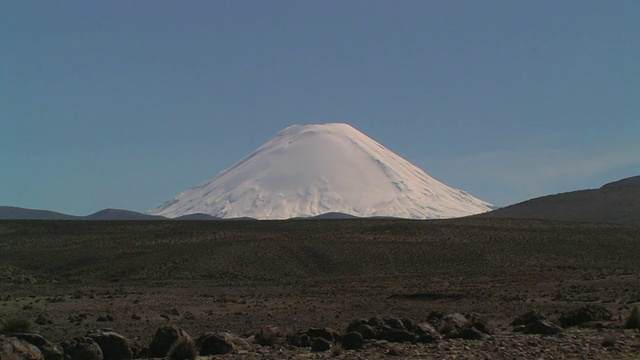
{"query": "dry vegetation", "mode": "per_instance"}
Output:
(67, 277)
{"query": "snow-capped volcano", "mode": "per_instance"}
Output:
(308, 170)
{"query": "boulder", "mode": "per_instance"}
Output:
(324, 333)
(82, 348)
(426, 333)
(470, 333)
(375, 321)
(14, 348)
(399, 336)
(352, 341)
(299, 340)
(365, 330)
(164, 338)
(452, 323)
(113, 345)
(585, 314)
(394, 323)
(528, 318)
(319, 344)
(214, 344)
(49, 349)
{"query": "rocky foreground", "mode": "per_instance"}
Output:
(588, 332)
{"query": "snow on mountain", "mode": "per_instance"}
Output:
(308, 170)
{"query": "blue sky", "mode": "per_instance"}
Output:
(123, 104)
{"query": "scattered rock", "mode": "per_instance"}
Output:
(82, 348)
(585, 314)
(14, 348)
(43, 319)
(113, 345)
(352, 341)
(164, 338)
(49, 350)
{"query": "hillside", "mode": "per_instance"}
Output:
(617, 202)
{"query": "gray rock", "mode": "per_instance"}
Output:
(528, 318)
(585, 314)
(49, 349)
(352, 341)
(214, 344)
(82, 348)
(324, 333)
(14, 348)
(113, 345)
(427, 333)
(319, 344)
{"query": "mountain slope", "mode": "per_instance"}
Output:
(616, 202)
(308, 170)
(17, 213)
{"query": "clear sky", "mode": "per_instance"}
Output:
(123, 104)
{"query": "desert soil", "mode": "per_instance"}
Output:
(67, 277)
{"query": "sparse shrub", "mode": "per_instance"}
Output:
(267, 336)
(336, 349)
(183, 349)
(14, 326)
(609, 340)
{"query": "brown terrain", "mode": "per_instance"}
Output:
(278, 286)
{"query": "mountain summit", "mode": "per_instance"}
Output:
(308, 170)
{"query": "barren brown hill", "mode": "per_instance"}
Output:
(617, 202)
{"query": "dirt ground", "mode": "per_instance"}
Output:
(67, 277)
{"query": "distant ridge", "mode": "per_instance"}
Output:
(18, 213)
(119, 214)
(198, 216)
(615, 202)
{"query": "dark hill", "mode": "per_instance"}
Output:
(616, 202)
(197, 216)
(118, 214)
(17, 213)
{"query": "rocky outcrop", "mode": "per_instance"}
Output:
(584, 315)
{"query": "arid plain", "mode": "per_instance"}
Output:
(68, 277)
